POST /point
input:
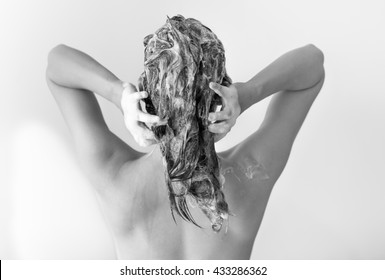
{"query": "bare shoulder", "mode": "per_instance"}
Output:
(111, 169)
(139, 171)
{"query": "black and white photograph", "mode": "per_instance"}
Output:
(192, 130)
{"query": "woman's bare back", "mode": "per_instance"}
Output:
(131, 186)
(139, 214)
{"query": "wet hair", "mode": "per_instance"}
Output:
(181, 59)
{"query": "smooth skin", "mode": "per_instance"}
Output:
(130, 185)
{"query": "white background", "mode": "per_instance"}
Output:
(328, 203)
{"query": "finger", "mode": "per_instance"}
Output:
(147, 118)
(139, 95)
(128, 98)
(219, 89)
(142, 106)
(222, 127)
(220, 116)
(161, 122)
(217, 108)
(143, 131)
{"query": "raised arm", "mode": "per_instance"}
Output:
(295, 79)
(296, 70)
(73, 77)
(72, 68)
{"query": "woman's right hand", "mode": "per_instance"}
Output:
(224, 120)
(135, 118)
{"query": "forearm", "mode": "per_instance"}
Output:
(69, 67)
(296, 70)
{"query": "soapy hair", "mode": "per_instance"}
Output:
(181, 59)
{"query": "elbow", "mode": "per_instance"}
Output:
(316, 53)
(317, 58)
(52, 60)
(57, 49)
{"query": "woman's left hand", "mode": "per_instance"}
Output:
(224, 120)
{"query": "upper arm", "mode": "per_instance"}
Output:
(272, 142)
(99, 149)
